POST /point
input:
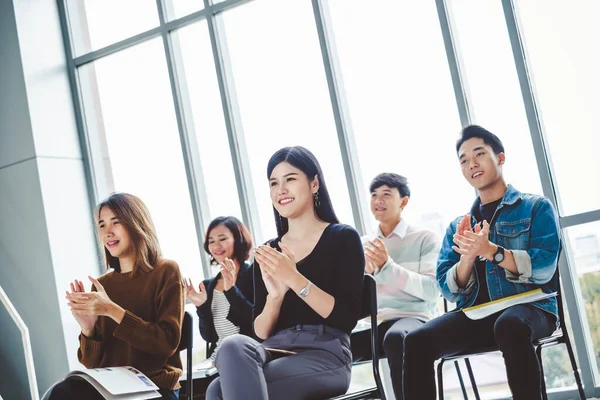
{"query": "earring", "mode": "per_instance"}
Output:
(317, 202)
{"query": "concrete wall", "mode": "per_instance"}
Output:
(46, 232)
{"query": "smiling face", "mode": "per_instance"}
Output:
(221, 243)
(387, 204)
(291, 190)
(480, 166)
(114, 235)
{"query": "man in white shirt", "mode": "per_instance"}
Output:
(402, 259)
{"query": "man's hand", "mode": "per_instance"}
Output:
(376, 253)
(472, 244)
(369, 266)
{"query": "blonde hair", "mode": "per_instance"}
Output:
(135, 217)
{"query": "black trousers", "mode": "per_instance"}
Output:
(78, 388)
(513, 330)
(391, 336)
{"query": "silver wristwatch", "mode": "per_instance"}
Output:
(304, 291)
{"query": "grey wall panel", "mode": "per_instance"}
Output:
(16, 142)
(27, 273)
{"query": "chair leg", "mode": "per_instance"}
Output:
(440, 380)
(574, 366)
(538, 353)
(472, 378)
(460, 379)
(378, 383)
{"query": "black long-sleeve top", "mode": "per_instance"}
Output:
(240, 297)
(336, 265)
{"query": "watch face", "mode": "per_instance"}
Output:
(498, 257)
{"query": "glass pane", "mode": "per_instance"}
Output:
(490, 377)
(199, 80)
(402, 103)
(583, 248)
(560, 42)
(128, 105)
(493, 85)
(95, 24)
(180, 8)
(283, 95)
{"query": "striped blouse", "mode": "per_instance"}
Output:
(224, 327)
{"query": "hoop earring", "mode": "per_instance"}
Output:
(317, 202)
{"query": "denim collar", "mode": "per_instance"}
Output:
(511, 197)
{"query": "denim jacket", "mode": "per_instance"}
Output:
(525, 224)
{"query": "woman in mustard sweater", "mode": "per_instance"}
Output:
(134, 312)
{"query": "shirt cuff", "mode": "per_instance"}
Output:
(384, 266)
(523, 262)
(453, 285)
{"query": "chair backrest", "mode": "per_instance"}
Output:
(187, 343)
(368, 300)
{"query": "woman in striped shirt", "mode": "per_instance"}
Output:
(224, 303)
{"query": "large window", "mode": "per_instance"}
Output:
(562, 44)
(493, 86)
(130, 97)
(282, 95)
(200, 82)
(96, 24)
(583, 242)
(399, 91)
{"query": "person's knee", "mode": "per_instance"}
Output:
(235, 349)
(213, 392)
(393, 343)
(511, 330)
(419, 343)
(235, 344)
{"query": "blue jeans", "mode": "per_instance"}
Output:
(513, 330)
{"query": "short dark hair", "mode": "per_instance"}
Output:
(476, 131)
(242, 241)
(392, 180)
(303, 159)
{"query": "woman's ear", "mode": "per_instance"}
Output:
(315, 184)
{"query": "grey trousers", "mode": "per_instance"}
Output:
(320, 369)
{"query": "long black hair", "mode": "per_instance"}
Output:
(301, 158)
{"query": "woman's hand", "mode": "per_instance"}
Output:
(230, 273)
(197, 298)
(86, 322)
(95, 303)
(275, 288)
(280, 266)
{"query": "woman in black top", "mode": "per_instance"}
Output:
(308, 285)
(224, 303)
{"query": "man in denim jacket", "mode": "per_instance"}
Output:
(508, 244)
